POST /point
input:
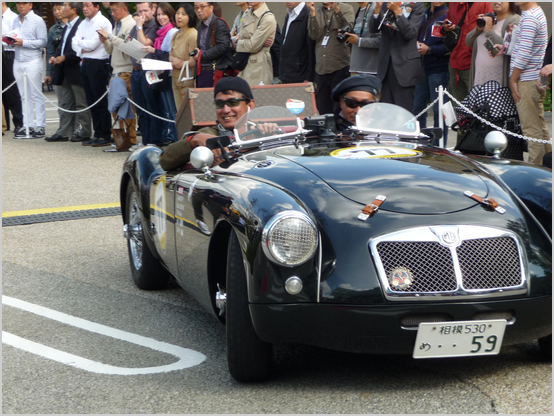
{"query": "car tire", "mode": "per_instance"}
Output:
(147, 271)
(248, 357)
(545, 344)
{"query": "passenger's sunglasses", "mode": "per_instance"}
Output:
(231, 102)
(350, 103)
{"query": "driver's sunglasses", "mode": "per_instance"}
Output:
(231, 102)
(350, 103)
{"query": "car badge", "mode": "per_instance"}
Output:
(448, 235)
(264, 165)
(401, 278)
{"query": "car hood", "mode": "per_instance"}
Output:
(414, 180)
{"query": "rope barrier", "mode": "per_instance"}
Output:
(148, 112)
(427, 109)
(100, 99)
(9, 86)
(63, 109)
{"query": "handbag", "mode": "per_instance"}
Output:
(450, 40)
(239, 60)
(122, 138)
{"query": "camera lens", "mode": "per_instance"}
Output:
(480, 22)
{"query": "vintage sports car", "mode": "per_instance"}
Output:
(376, 242)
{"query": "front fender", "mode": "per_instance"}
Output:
(140, 169)
(531, 183)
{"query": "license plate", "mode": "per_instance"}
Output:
(459, 339)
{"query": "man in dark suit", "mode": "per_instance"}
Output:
(67, 75)
(400, 68)
(297, 57)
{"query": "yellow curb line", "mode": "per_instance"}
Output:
(60, 209)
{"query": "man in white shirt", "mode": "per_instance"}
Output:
(96, 71)
(11, 98)
(28, 61)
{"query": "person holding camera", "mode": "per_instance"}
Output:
(490, 31)
(462, 16)
(365, 45)
(332, 55)
(400, 68)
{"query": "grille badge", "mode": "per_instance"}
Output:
(448, 235)
(401, 278)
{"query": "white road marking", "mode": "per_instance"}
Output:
(187, 358)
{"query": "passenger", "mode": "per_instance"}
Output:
(233, 98)
(352, 94)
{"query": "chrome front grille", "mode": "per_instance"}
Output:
(426, 260)
(489, 263)
(434, 262)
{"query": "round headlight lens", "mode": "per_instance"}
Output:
(290, 238)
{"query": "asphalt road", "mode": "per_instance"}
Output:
(78, 272)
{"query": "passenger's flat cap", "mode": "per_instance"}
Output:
(233, 84)
(362, 82)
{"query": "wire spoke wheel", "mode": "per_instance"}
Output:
(148, 272)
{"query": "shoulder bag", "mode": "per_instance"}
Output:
(239, 60)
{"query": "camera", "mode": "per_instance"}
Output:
(322, 126)
(343, 33)
(481, 22)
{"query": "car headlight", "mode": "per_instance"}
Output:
(289, 238)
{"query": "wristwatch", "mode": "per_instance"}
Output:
(398, 16)
(428, 51)
(139, 27)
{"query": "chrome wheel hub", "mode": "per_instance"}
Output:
(221, 300)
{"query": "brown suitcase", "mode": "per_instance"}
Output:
(199, 111)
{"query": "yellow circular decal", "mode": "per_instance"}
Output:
(374, 152)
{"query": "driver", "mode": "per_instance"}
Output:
(352, 94)
(233, 98)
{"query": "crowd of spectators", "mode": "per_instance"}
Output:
(399, 43)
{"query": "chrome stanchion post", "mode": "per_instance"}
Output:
(441, 118)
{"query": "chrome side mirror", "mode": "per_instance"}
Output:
(202, 158)
(495, 143)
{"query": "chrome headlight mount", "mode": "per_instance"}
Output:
(290, 238)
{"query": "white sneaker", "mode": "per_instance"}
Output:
(203, 227)
(135, 147)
